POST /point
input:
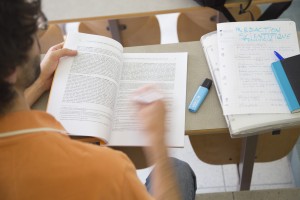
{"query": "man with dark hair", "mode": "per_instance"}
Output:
(38, 160)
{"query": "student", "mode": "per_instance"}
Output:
(38, 160)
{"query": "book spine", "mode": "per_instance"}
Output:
(285, 86)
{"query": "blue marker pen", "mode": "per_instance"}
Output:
(200, 95)
(278, 55)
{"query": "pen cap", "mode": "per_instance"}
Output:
(207, 83)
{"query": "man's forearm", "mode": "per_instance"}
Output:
(34, 92)
(153, 116)
(164, 183)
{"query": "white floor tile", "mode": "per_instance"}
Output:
(182, 153)
(210, 190)
(232, 189)
(144, 173)
(187, 145)
(276, 172)
(271, 186)
(231, 176)
(207, 175)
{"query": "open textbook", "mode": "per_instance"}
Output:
(246, 124)
(91, 92)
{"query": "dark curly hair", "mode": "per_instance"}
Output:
(18, 24)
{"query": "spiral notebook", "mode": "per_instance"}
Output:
(241, 125)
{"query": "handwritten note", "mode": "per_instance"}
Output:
(245, 56)
(259, 34)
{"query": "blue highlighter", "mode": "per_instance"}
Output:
(200, 95)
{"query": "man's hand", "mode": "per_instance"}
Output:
(48, 67)
(50, 62)
(152, 114)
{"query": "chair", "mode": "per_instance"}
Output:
(133, 31)
(193, 24)
(52, 36)
(220, 148)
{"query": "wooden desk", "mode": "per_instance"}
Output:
(62, 11)
(207, 128)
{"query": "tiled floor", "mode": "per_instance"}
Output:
(221, 178)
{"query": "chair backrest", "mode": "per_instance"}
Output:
(133, 31)
(51, 37)
(220, 148)
(254, 9)
(193, 24)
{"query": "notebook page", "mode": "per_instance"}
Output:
(210, 47)
(248, 124)
(245, 55)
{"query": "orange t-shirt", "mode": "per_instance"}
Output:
(49, 165)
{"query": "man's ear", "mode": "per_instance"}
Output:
(12, 78)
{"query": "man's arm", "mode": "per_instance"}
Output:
(48, 67)
(152, 116)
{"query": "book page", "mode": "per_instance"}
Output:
(166, 70)
(84, 89)
(246, 51)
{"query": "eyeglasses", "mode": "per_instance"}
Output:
(42, 21)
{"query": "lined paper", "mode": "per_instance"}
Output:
(247, 124)
(246, 51)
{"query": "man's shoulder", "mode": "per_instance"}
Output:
(97, 160)
(57, 147)
(88, 152)
(93, 150)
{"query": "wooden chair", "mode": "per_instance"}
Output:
(133, 31)
(220, 149)
(192, 25)
(52, 36)
(246, 16)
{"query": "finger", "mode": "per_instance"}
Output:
(144, 89)
(148, 97)
(147, 94)
(57, 47)
(63, 52)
